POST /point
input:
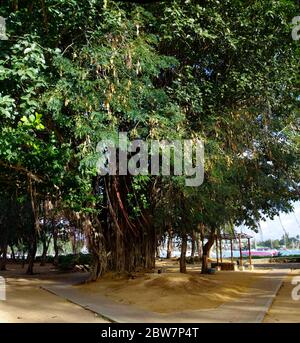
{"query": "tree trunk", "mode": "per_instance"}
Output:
(116, 241)
(206, 251)
(13, 255)
(31, 254)
(44, 253)
(98, 266)
(157, 246)
(35, 228)
(199, 246)
(97, 248)
(193, 245)
(129, 242)
(170, 243)
(3, 260)
(55, 246)
(23, 258)
(183, 253)
(200, 240)
(74, 243)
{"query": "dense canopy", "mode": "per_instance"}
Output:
(73, 73)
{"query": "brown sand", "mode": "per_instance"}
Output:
(164, 293)
(28, 303)
(284, 309)
(172, 291)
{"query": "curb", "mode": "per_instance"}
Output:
(260, 317)
(84, 307)
(262, 308)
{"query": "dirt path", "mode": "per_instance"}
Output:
(250, 307)
(27, 303)
(284, 309)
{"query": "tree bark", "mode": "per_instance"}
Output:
(199, 247)
(129, 242)
(170, 243)
(96, 244)
(45, 250)
(35, 228)
(23, 258)
(117, 240)
(183, 253)
(55, 245)
(74, 243)
(31, 254)
(13, 255)
(200, 240)
(3, 260)
(157, 246)
(206, 251)
(193, 244)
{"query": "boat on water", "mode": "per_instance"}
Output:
(260, 252)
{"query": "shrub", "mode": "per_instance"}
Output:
(68, 262)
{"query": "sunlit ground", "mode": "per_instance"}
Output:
(167, 292)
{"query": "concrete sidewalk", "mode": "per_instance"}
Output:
(251, 308)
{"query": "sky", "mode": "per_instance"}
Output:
(272, 229)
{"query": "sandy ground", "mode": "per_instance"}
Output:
(167, 292)
(284, 309)
(172, 291)
(27, 303)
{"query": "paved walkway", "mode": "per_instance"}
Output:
(251, 308)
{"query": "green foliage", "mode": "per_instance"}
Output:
(68, 262)
(73, 73)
